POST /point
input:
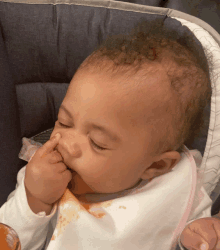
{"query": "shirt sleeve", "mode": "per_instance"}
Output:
(31, 228)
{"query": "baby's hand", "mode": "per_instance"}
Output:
(202, 231)
(46, 176)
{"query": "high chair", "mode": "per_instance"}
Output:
(43, 42)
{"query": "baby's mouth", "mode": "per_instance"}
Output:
(77, 186)
(72, 171)
(70, 184)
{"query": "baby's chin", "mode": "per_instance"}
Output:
(78, 186)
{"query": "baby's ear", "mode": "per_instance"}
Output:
(162, 165)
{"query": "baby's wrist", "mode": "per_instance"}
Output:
(36, 205)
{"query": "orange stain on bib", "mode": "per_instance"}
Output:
(70, 208)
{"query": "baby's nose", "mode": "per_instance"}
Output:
(75, 150)
(70, 146)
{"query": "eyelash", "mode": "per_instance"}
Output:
(96, 146)
(93, 143)
(62, 125)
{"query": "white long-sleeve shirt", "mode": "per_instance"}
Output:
(143, 217)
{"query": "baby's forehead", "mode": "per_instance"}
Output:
(149, 84)
(145, 88)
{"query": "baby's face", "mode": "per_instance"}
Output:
(103, 137)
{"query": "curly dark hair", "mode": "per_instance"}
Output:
(186, 65)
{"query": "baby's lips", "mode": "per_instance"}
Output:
(80, 187)
(70, 185)
(71, 170)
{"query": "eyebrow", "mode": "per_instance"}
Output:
(109, 133)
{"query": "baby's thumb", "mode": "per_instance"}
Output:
(204, 246)
(191, 240)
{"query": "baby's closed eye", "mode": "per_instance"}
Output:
(97, 146)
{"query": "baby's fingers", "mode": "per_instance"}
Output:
(216, 225)
(49, 146)
(55, 157)
(67, 176)
(193, 241)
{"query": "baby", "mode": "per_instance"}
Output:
(127, 113)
